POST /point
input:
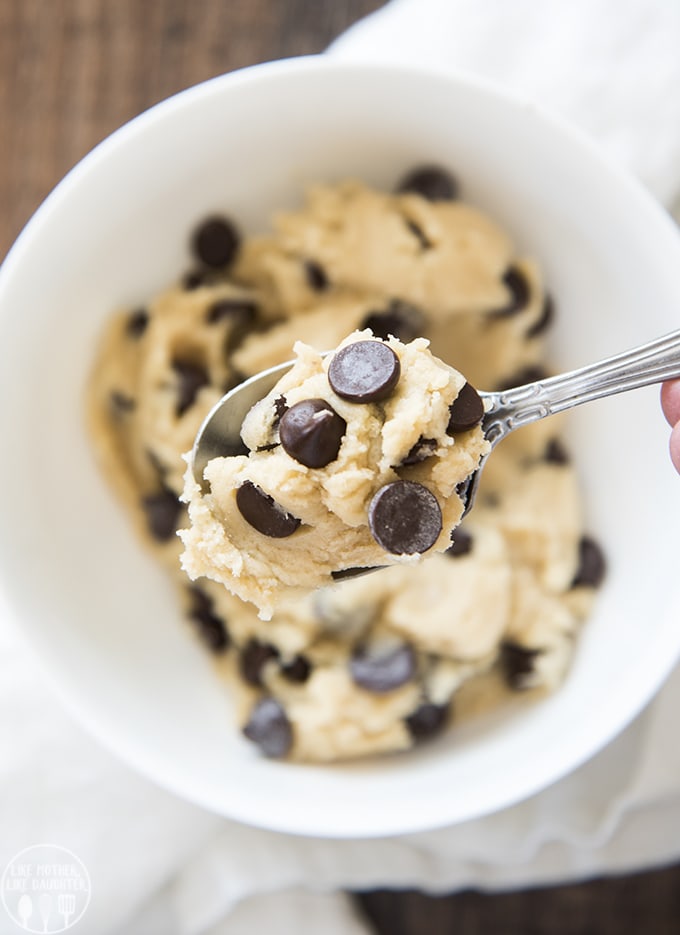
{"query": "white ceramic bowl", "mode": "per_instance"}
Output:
(94, 605)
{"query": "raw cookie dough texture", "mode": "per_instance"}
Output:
(355, 461)
(387, 660)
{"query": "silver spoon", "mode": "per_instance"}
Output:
(504, 411)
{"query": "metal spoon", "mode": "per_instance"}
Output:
(220, 434)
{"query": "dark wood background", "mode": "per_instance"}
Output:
(71, 71)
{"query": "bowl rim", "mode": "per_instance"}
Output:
(605, 724)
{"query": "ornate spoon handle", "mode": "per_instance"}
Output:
(651, 363)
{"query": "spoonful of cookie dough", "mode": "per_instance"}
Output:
(369, 455)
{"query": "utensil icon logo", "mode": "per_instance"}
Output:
(45, 888)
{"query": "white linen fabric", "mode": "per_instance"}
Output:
(160, 865)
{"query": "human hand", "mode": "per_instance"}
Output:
(670, 403)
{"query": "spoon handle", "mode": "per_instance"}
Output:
(654, 362)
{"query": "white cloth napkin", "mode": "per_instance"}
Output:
(159, 865)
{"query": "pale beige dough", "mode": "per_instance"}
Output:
(500, 616)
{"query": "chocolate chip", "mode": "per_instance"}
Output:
(137, 323)
(280, 408)
(400, 319)
(162, 513)
(354, 572)
(556, 453)
(241, 314)
(263, 513)
(364, 372)
(466, 410)
(424, 448)
(241, 310)
(404, 518)
(298, 670)
(419, 234)
(215, 242)
(121, 403)
(517, 664)
(196, 278)
(520, 293)
(529, 374)
(191, 377)
(316, 275)
(432, 182)
(461, 543)
(253, 658)
(592, 565)
(383, 671)
(427, 720)
(211, 627)
(269, 728)
(311, 432)
(545, 320)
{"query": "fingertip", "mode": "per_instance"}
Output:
(674, 447)
(670, 401)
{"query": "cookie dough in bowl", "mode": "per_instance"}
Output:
(149, 661)
(356, 460)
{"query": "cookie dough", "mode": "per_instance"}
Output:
(385, 661)
(356, 460)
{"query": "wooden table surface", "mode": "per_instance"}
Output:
(71, 71)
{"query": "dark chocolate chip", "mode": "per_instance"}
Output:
(530, 374)
(121, 403)
(191, 377)
(215, 242)
(211, 628)
(269, 728)
(263, 513)
(242, 317)
(419, 234)
(354, 572)
(427, 720)
(237, 310)
(424, 448)
(466, 410)
(517, 664)
(592, 565)
(399, 319)
(162, 513)
(461, 543)
(280, 408)
(404, 518)
(545, 320)
(364, 372)
(383, 671)
(556, 453)
(298, 670)
(432, 182)
(316, 276)
(311, 432)
(253, 658)
(516, 282)
(137, 323)
(196, 278)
